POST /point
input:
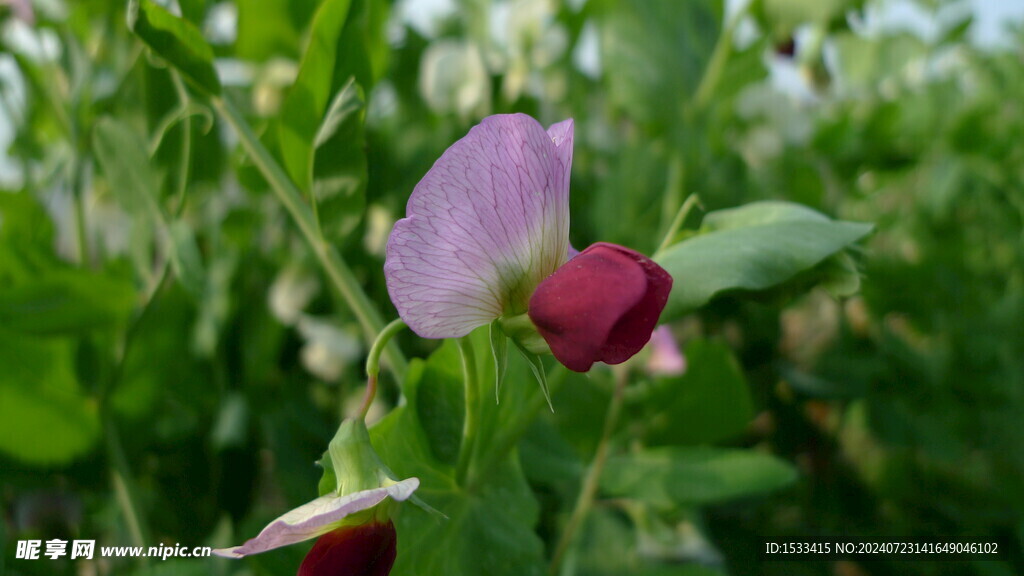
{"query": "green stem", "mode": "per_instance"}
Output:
(185, 164)
(472, 420)
(78, 193)
(373, 363)
(121, 474)
(124, 487)
(337, 271)
(677, 223)
(591, 482)
(716, 65)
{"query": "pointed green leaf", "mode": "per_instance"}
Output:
(537, 367)
(499, 351)
(175, 40)
(339, 170)
(752, 248)
(307, 100)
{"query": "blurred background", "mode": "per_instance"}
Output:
(207, 361)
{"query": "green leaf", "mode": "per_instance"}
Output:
(122, 155)
(758, 213)
(66, 301)
(307, 100)
(193, 10)
(671, 477)
(268, 28)
(185, 259)
(655, 52)
(440, 404)
(494, 519)
(751, 250)
(709, 403)
(547, 458)
(175, 40)
(339, 170)
(44, 417)
(25, 225)
(499, 351)
(838, 274)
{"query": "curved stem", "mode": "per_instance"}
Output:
(678, 221)
(590, 483)
(124, 487)
(337, 271)
(185, 166)
(373, 363)
(472, 420)
(719, 58)
(121, 474)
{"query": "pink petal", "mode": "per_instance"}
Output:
(666, 359)
(487, 223)
(317, 517)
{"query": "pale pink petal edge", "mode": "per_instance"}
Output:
(317, 517)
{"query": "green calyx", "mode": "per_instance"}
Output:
(522, 331)
(351, 464)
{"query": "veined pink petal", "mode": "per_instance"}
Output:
(317, 517)
(483, 228)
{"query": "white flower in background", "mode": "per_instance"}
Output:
(527, 41)
(453, 79)
(290, 293)
(328, 348)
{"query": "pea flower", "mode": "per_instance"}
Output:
(486, 237)
(352, 521)
(666, 359)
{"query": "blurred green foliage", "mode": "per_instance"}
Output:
(166, 337)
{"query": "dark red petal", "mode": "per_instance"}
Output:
(600, 306)
(366, 550)
(633, 330)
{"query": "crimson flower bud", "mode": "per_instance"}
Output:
(601, 306)
(364, 550)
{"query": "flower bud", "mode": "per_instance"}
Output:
(601, 306)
